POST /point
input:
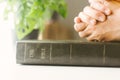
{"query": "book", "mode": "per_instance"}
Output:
(69, 52)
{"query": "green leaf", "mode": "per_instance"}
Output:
(24, 28)
(63, 10)
(33, 14)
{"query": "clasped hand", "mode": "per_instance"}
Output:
(100, 21)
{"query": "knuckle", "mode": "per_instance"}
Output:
(89, 39)
(86, 8)
(82, 34)
(100, 16)
(76, 20)
(80, 14)
(75, 27)
(98, 36)
(79, 27)
(90, 29)
(97, 14)
(103, 8)
(84, 17)
(88, 18)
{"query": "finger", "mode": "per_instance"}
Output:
(94, 37)
(101, 7)
(87, 32)
(80, 27)
(94, 14)
(77, 20)
(101, 1)
(91, 38)
(92, 1)
(85, 18)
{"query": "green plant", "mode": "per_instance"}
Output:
(32, 14)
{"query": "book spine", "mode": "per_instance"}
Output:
(69, 54)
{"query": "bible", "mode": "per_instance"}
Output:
(70, 52)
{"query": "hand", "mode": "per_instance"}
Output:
(102, 31)
(102, 1)
(96, 10)
(90, 15)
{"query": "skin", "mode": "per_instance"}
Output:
(90, 1)
(100, 24)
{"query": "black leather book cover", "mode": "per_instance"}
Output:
(68, 53)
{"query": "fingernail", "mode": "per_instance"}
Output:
(107, 11)
(93, 22)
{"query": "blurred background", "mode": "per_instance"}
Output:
(57, 28)
(74, 7)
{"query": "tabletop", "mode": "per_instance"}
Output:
(9, 70)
